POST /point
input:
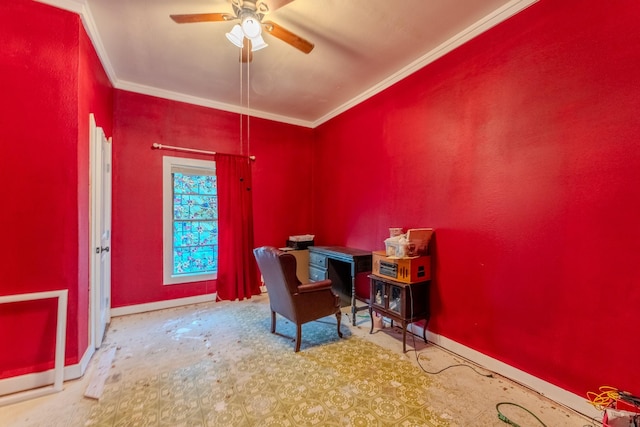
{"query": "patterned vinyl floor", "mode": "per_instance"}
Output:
(236, 373)
(217, 364)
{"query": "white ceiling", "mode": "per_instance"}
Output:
(361, 47)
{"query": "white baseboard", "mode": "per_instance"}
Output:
(12, 389)
(570, 400)
(553, 392)
(160, 305)
(79, 369)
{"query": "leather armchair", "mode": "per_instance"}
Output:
(298, 302)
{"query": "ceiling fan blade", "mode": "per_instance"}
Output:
(288, 37)
(201, 17)
(246, 55)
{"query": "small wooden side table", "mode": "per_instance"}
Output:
(403, 302)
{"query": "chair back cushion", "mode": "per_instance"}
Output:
(278, 271)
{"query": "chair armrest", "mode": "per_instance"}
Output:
(315, 286)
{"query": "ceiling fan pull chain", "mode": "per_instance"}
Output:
(241, 103)
(248, 107)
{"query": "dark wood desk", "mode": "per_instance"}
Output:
(341, 265)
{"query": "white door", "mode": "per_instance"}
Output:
(100, 295)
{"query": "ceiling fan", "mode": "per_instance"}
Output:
(248, 33)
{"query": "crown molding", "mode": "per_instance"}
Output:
(496, 17)
(205, 102)
(484, 24)
(77, 6)
(81, 7)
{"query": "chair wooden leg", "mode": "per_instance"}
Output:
(298, 336)
(339, 318)
(273, 322)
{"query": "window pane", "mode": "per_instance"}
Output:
(195, 230)
(194, 184)
(195, 207)
(195, 259)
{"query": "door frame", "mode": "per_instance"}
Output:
(100, 220)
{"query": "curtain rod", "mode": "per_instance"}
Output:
(192, 150)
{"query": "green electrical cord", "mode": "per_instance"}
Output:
(504, 419)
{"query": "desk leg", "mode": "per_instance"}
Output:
(353, 299)
(404, 337)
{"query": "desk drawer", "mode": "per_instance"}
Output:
(317, 274)
(318, 259)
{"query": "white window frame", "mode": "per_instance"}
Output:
(169, 164)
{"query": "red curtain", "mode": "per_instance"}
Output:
(237, 270)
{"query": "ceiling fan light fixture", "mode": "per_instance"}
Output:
(236, 35)
(258, 43)
(251, 27)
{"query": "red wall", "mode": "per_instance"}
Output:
(281, 177)
(521, 149)
(44, 168)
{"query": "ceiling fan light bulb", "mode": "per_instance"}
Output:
(251, 27)
(258, 43)
(236, 35)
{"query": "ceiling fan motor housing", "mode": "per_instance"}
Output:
(245, 7)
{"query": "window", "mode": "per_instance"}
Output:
(190, 220)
